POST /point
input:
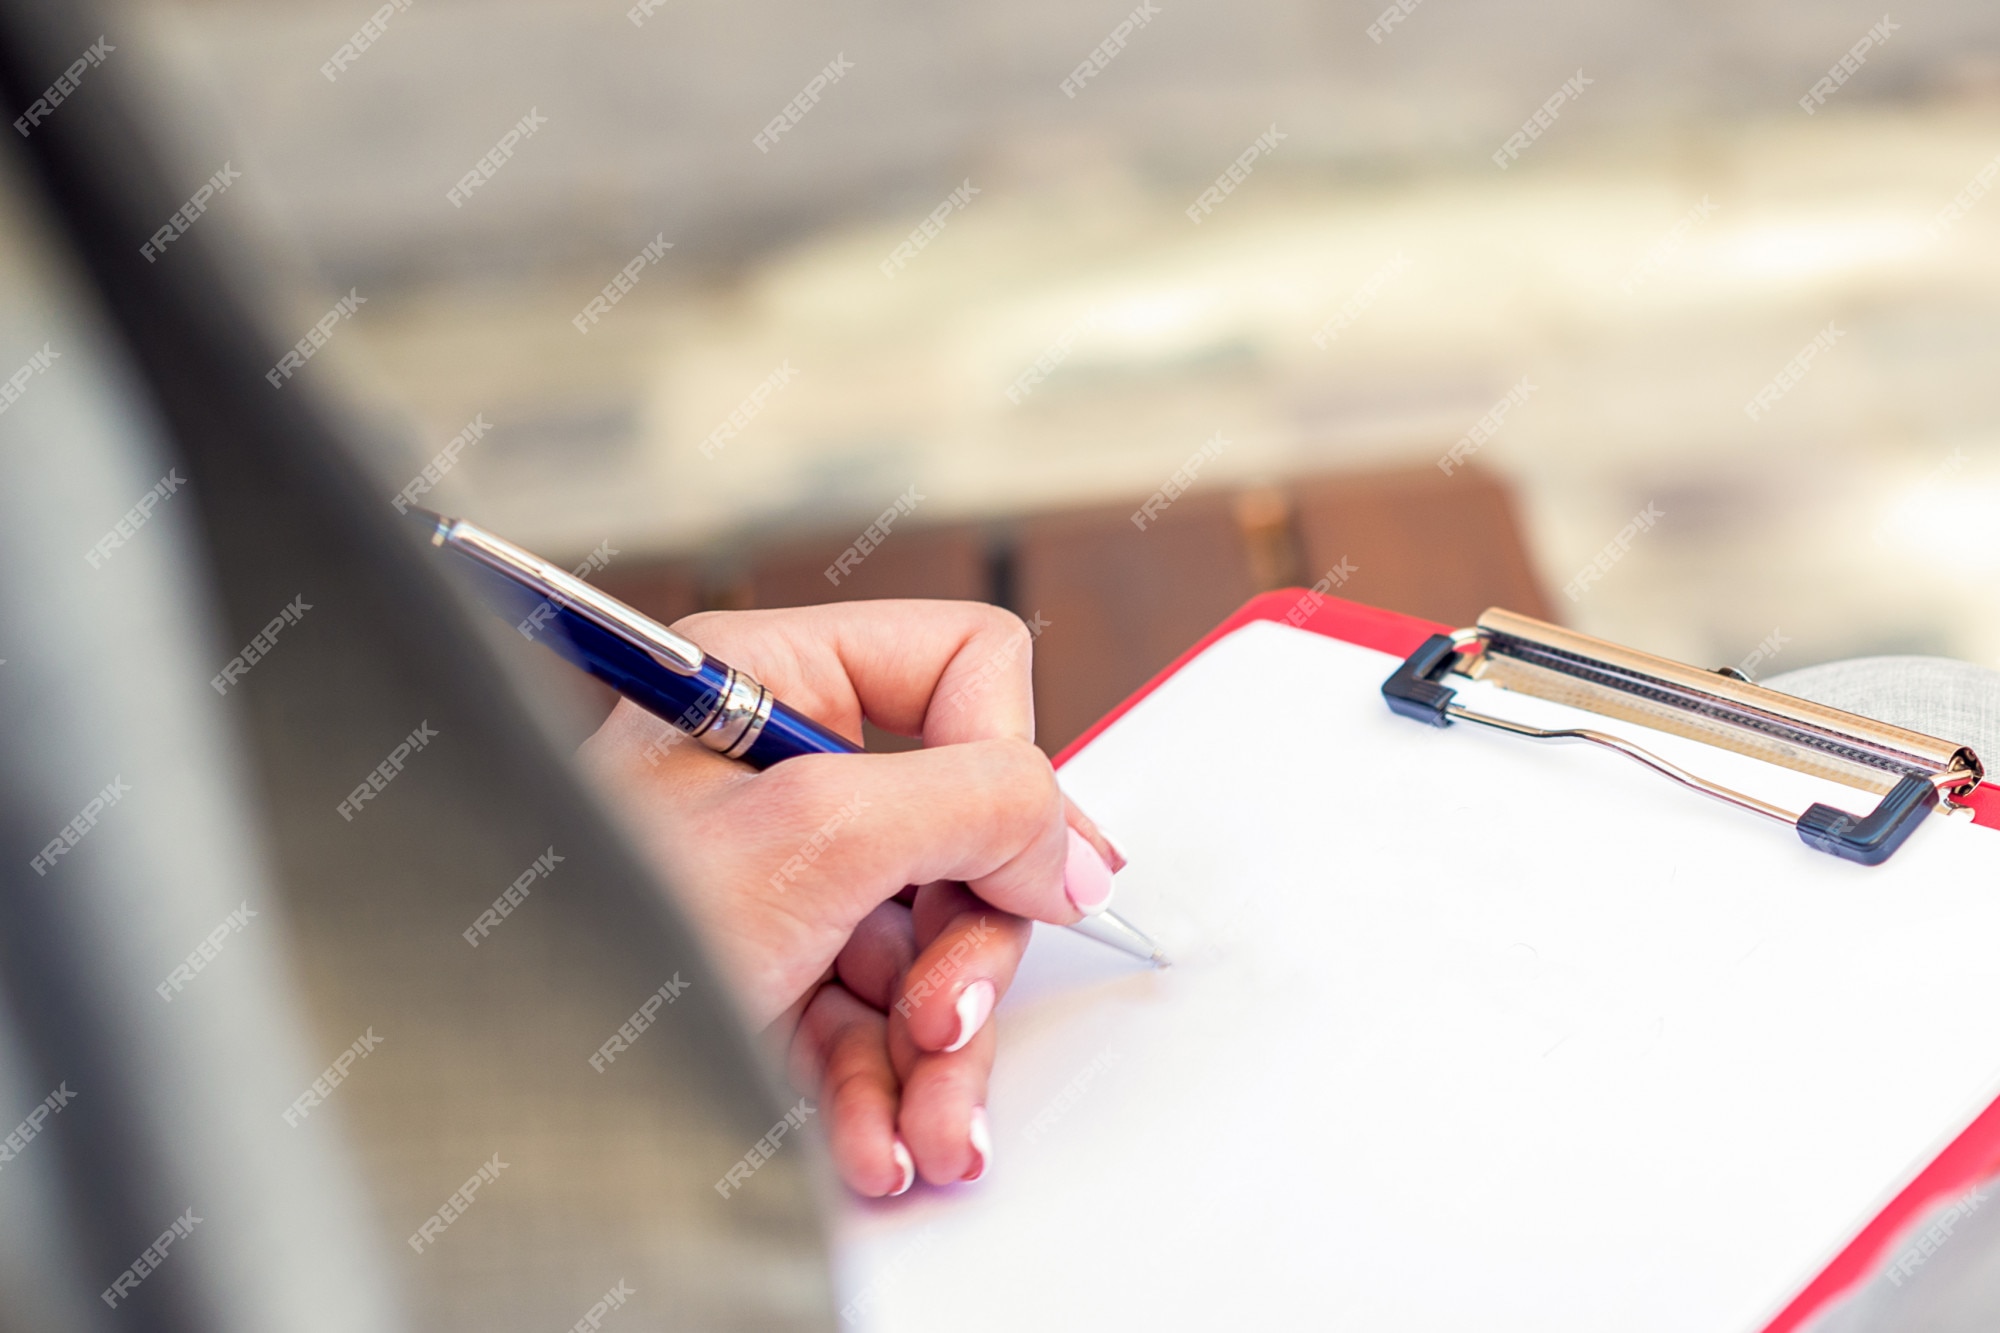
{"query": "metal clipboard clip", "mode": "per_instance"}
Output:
(1912, 772)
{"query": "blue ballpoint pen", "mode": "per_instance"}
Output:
(668, 675)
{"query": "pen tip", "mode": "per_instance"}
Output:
(1160, 959)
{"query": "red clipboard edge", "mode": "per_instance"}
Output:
(1971, 1159)
(1385, 631)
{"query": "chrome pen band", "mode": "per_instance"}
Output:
(739, 718)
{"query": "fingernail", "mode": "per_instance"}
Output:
(1117, 848)
(906, 1163)
(981, 1135)
(1086, 879)
(975, 1002)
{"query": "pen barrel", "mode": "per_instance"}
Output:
(725, 709)
(686, 699)
(787, 734)
(689, 702)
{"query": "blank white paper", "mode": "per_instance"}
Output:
(1464, 1032)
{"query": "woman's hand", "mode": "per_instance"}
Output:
(800, 875)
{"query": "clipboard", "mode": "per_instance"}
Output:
(881, 1245)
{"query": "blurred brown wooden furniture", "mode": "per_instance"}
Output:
(917, 562)
(1119, 601)
(1122, 603)
(1444, 548)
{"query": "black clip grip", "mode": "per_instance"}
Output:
(1869, 839)
(1412, 691)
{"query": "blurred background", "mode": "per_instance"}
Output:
(1010, 292)
(1342, 317)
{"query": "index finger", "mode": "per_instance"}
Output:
(945, 671)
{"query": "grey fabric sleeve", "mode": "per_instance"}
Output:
(362, 1118)
(1934, 695)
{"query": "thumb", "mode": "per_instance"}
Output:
(845, 832)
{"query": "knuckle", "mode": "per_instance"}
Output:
(691, 626)
(1020, 781)
(999, 621)
(851, 1089)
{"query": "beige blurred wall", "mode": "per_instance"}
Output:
(1660, 254)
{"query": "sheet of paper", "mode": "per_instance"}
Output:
(1465, 1031)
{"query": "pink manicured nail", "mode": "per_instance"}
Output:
(1117, 848)
(981, 1135)
(1086, 879)
(906, 1163)
(975, 1002)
